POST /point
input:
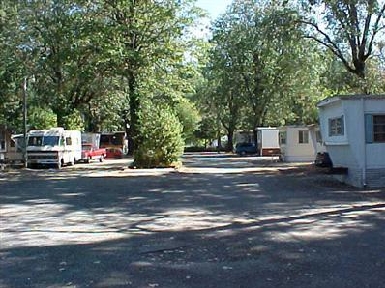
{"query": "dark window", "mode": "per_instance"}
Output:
(282, 137)
(50, 140)
(68, 141)
(336, 126)
(378, 128)
(303, 136)
(2, 140)
(35, 140)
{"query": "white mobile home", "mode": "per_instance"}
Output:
(268, 141)
(353, 130)
(296, 143)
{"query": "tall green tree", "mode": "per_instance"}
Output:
(12, 68)
(143, 34)
(349, 29)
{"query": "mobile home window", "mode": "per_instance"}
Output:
(282, 137)
(378, 128)
(336, 126)
(303, 136)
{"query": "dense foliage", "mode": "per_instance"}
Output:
(101, 65)
(160, 137)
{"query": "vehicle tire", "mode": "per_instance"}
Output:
(59, 164)
(101, 159)
(88, 160)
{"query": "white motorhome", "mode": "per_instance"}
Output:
(56, 147)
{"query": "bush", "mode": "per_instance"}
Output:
(160, 142)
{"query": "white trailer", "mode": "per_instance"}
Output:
(268, 141)
(91, 138)
(297, 145)
(14, 154)
(55, 146)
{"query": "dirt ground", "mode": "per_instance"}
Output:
(217, 221)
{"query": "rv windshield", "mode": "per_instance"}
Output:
(43, 141)
(51, 140)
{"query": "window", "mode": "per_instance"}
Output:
(68, 141)
(35, 141)
(303, 136)
(378, 128)
(2, 140)
(336, 126)
(50, 140)
(282, 137)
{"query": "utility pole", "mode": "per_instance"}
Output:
(25, 157)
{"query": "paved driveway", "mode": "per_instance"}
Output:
(219, 221)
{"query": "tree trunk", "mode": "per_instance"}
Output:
(134, 110)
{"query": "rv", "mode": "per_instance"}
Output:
(56, 147)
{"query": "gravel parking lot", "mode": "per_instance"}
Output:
(218, 221)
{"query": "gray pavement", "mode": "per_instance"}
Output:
(218, 221)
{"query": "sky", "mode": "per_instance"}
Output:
(213, 7)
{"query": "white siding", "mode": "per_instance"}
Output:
(293, 151)
(375, 152)
(351, 150)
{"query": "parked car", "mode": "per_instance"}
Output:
(114, 153)
(246, 148)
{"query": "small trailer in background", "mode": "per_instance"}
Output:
(297, 143)
(5, 139)
(268, 141)
(14, 155)
(11, 148)
(91, 147)
(91, 138)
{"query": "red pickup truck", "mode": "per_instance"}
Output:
(89, 152)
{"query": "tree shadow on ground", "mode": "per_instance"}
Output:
(254, 229)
